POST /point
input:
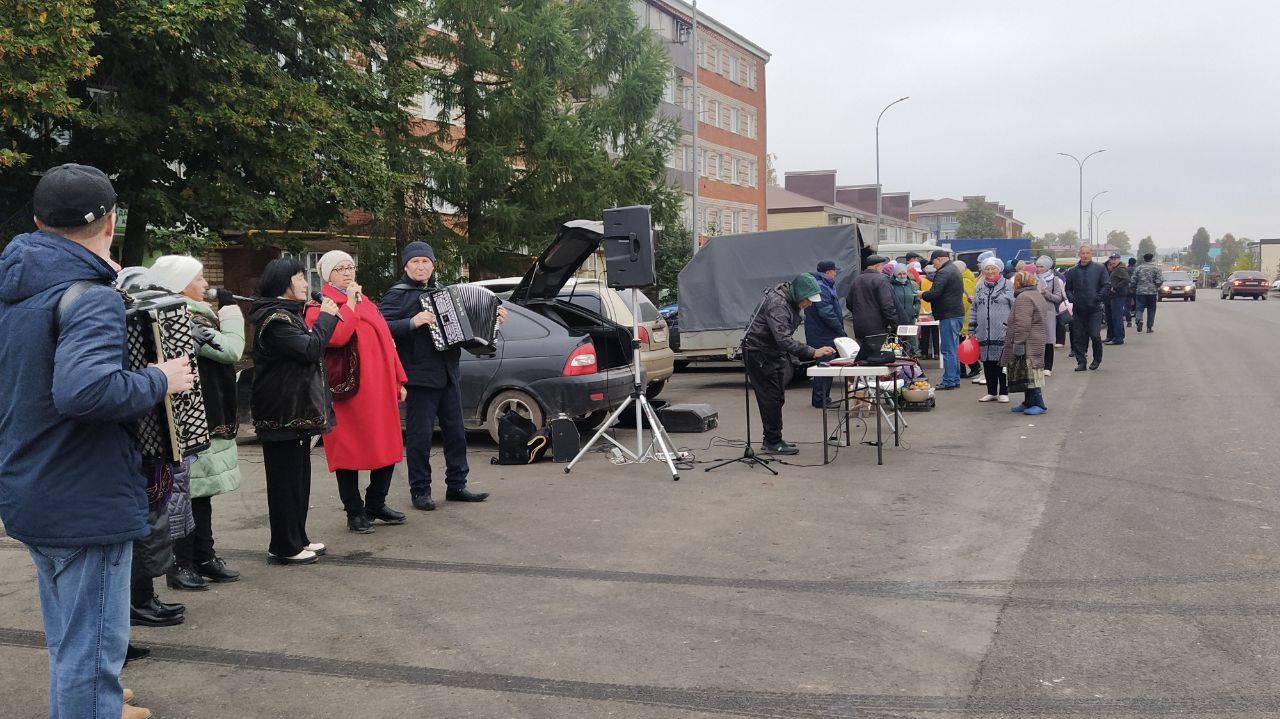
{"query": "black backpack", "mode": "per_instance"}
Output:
(519, 441)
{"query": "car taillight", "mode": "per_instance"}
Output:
(581, 361)
(644, 335)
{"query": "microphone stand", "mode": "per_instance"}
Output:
(749, 456)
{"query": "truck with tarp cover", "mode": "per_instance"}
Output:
(723, 284)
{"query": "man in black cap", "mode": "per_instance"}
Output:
(71, 482)
(1118, 301)
(1088, 287)
(1145, 282)
(947, 298)
(870, 303)
(434, 386)
(823, 323)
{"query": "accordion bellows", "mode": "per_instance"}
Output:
(159, 327)
(466, 317)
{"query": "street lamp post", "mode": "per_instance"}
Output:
(1080, 163)
(1091, 215)
(697, 177)
(1099, 225)
(878, 206)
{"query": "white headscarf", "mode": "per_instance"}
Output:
(992, 262)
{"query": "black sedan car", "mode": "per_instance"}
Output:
(1246, 283)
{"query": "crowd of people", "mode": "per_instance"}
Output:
(100, 521)
(1017, 313)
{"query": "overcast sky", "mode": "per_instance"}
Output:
(1184, 96)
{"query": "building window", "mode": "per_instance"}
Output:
(733, 120)
(751, 75)
(724, 63)
(713, 165)
(724, 118)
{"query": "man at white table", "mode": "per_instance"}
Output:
(766, 347)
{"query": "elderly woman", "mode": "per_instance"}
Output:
(367, 435)
(217, 469)
(1025, 341)
(1054, 294)
(290, 402)
(992, 301)
(906, 300)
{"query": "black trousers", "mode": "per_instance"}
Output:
(288, 470)
(1086, 327)
(766, 373)
(997, 383)
(424, 407)
(375, 497)
(197, 547)
(1048, 356)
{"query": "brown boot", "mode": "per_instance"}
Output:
(132, 712)
(128, 695)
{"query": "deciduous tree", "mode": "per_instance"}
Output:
(1146, 245)
(1119, 239)
(978, 219)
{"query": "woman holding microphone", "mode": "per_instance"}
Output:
(291, 402)
(367, 436)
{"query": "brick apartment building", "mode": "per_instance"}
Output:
(942, 216)
(730, 110)
(812, 199)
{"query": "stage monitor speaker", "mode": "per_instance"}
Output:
(565, 440)
(688, 417)
(628, 247)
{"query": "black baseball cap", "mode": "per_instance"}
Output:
(939, 253)
(826, 266)
(73, 195)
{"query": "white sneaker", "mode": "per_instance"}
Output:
(316, 547)
(987, 398)
(1048, 373)
(979, 380)
(1059, 345)
(306, 556)
(1003, 399)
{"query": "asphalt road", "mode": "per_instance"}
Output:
(1112, 558)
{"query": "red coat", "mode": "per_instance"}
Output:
(367, 435)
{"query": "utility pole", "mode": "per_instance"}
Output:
(697, 173)
(1080, 214)
(878, 208)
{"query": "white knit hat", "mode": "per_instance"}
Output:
(992, 262)
(330, 260)
(174, 272)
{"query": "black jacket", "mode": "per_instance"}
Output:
(1087, 286)
(1120, 281)
(947, 294)
(775, 321)
(870, 302)
(424, 365)
(291, 397)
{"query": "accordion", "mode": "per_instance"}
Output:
(159, 327)
(466, 317)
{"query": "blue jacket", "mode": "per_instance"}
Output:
(70, 474)
(424, 365)
(1088, 286)
(822, 322)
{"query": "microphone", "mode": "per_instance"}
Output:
(318, 298)
(211, 295)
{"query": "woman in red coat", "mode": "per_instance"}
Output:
(367, 434)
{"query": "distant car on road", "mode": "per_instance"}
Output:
(1275, 289)
(1245, 283)
(1179, 284)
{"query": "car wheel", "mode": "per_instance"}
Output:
(654, 389)
(511, 400)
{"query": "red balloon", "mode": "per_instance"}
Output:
(967, 352)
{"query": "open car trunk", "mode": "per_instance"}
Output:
(612, 341)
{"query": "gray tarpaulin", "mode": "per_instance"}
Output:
(725, 281)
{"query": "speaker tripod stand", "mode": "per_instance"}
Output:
(643, 410)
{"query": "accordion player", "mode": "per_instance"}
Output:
(466, 317)
(159, 327)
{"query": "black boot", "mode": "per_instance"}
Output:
(185, 578)
(359, 523)
(216, 571)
